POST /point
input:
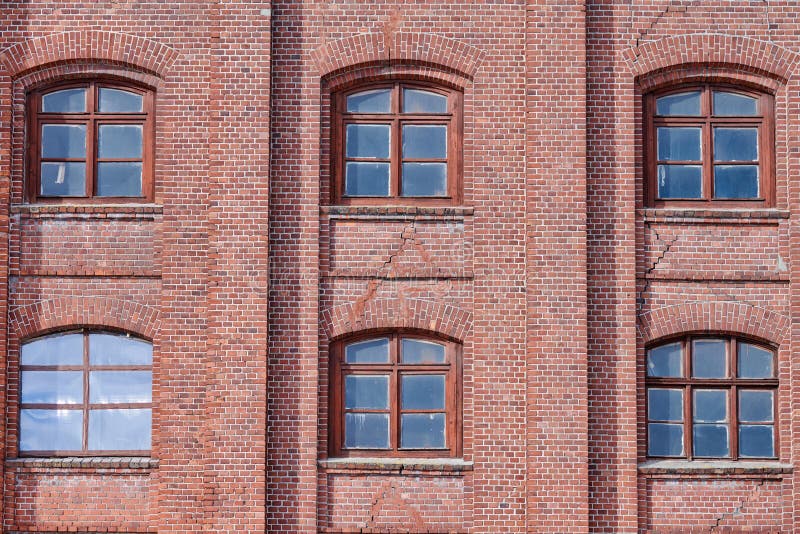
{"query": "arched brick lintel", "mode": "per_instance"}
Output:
(729, 51)
(47, 315)
(419, 48)
(733, 317)
(99, 46)
(417, 314)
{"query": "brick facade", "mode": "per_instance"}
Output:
(552, 274)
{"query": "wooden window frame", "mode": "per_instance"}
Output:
(453, 119)
(92, 119)
(764, 121)
(453, 396)
(732, 384)
(84, 406)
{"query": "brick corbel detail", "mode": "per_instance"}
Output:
(65, 312)
(97, 46)
(732, 317)
(379, 314)
(404, 47)
(716, 51)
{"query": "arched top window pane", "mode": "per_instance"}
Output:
(685, 104)
(419, 351)
(370, 351)
(372, 101)
(119, 349)
(65, 101)
(119, 101)
(56, 349)
(732, 104)
(419, 101)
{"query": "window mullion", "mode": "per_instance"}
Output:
(688, 423)
(85, 391)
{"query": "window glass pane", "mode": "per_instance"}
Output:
(50, 430)
(755, 362)
(375, 101)
(755, 406)
(424, 180)
(368, 141)
(664, 439)
(372, 351)
(680, 181)
(679, 104)
(116, 349)
(52, 387)
(120, 179)
(735, 144)
(729, 104)
(422, 431)
(62, 141)
(419, 101)
(418, 351)
(364, 179)
(679, 144)
(422, 392)
(63, 179)
(119, 141)
(708, 359)
(366, 430)
(107, 387)
(756, 441)
(370, 392)
(425, 141)
(65, 101)
(665, 404)
(58, 349)
(710, 440)
(120, 430)
(735, 181)
(118, 101)
(710, 406)
(665, 361)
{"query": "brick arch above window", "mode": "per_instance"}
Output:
(713, 50)
(66, 312)
(384, 314)
(426, 49)
(741, 318)
(112, 48)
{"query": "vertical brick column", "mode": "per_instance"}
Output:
(238, 268)
(5, 194)
(556, 267)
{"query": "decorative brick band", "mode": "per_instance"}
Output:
(46, 315)
(733, 317)
(381, 314)
(379, 48)
(99, 46)
(716, 50)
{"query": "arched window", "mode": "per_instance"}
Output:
(85, 393)
(398, 141)
(395, 395)
(90, 140)
(709, 145)
(711, 397)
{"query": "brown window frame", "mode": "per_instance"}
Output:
(687, 385)
(764, 121)
(453, 395)
(91, 118)
(453, 119)
(84, 406)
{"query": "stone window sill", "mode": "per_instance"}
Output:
(700, 215)
(80, 462)
(88, 211)
(714, 468)
(397, 466)
(439, 213)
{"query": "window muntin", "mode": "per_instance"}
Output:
(711, 397)
(85, 393)
(395, 395)
(709, 145)
(397, 141)
(90, 141)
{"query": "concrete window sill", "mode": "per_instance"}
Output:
(399, 466)
(714, 467)
(80, 462)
